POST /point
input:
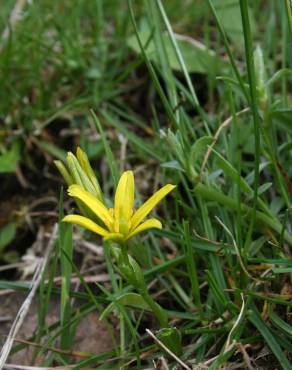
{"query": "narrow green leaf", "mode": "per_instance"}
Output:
(7, 234)
(10, 158)
(191, 265)
(257, 321)
(280, 323)
(218, 295)
(133, 300)
(229, 13)
(52, 149)
(109, 154)
(230, 171)
(197, 57)
(65, 246)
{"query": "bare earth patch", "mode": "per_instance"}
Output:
(91, 336)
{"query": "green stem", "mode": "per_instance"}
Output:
(156, 308)
(267, 136)
(229, 51)
(289, 15)
(191, 266)
(125, 254)
(254, 109)
(137, 280)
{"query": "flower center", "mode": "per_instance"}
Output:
(123, 226)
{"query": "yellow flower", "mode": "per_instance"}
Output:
(121, 222)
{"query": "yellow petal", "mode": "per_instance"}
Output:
(82, 159)
(147, 207)
(80, 174)
(64, 172)
(86, 167)
(98, 208)
(86, 223)
(149, 224)
(71, 162)
(124, 197)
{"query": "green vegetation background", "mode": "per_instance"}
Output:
(196, 93)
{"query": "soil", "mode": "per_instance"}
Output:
(91, 336)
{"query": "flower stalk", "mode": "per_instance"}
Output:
(130, 270)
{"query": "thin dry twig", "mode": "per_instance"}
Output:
(13, 19)
(123, 151)
(214, 242)
(15, 265)
(20, 317)
(245, 356)
(88, 279)
(7, 291)
(22, 367)
(216, 136)
(5, 318)
(237, 251)
(177, 359)
(229, 342)
(56, 350)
